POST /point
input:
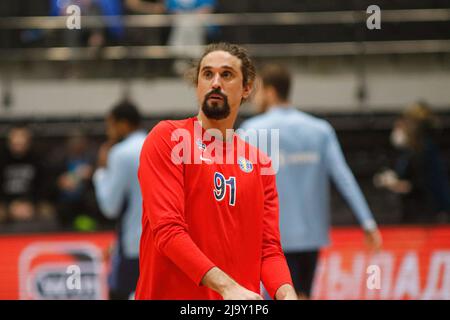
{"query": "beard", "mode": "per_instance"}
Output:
(216, 110)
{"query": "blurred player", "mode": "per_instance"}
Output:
(119, 196)
(309, 155)
(210, 230)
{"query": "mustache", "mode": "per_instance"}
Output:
(216, 91)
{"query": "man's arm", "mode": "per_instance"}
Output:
(347, 185)
(275, 272)
(111, 182)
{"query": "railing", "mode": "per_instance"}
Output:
(256, 50)
(231, 19)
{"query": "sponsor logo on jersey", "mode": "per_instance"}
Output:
(200, 145)
(245, 165)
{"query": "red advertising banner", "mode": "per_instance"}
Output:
(41, 266)
(414, 263)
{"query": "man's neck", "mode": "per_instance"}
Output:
(129, 132)
(221, 125)
(279, 104)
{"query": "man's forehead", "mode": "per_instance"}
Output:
(18, 131)
(219, 59)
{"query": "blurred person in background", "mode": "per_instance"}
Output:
(75, 195)
(21, 174)
(23, 8)
(119, 196)
(187, 29)
(93, 37)
(310, 155)
(146, 36)
(420, 177)
(177, 7)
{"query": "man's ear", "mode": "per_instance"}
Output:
(248, 88)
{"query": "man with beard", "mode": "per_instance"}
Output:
(209, 228)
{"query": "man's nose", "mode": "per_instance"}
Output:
(216, 81)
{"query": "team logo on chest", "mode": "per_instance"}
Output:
(245, 165)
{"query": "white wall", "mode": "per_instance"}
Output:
(312, 91)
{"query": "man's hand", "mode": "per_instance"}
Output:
(237, 292)
(385, 179)
(373, 239)
(389, 179)
(102, 155)
(229, 289)
(67, 182)
(286, 292)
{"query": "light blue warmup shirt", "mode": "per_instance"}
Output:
(309, 155)
(117, 188)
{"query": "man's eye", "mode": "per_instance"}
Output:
(226, 74)
(207, 74)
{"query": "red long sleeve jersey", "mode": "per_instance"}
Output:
(199, 212)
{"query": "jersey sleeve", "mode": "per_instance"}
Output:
(162, 186)
(274, 269)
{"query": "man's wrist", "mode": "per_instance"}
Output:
(218, 280)
(284, 291)
(226, 286)
(98, 174)
(370, 225)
